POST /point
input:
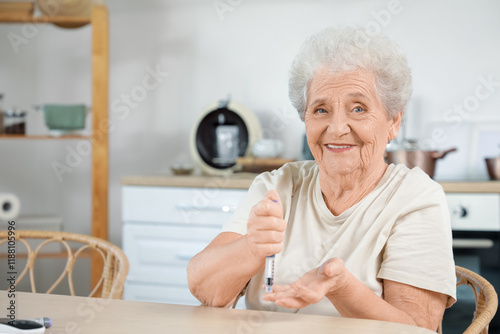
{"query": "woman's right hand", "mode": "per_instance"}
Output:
(266, 227)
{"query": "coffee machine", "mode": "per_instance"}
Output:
(223, 132)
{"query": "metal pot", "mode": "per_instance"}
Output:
(426, 160)
(493, 166)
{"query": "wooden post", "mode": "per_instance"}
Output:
(100, 86)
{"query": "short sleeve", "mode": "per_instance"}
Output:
(419, 250)
(257, 191)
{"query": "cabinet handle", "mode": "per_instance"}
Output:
(472, 243)
(215, 208)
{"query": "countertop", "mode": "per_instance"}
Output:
(243, 181)
(228, 181)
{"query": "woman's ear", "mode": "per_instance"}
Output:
(395, 125)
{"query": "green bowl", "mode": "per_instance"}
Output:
(65, 117)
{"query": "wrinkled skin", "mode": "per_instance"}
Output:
(344, 110)
(328, 279)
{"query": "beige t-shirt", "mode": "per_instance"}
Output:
(400, 231)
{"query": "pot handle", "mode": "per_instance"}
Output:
(441, 154)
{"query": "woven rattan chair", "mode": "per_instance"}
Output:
(486, 300)
(115, 263)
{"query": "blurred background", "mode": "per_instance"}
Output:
(170, 60)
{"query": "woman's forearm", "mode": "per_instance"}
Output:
(221, 271)
(356, 300)
(401, 303)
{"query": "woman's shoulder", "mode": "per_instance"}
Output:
(288, 177)
(296, 171)
(415, 174)
(414, 181)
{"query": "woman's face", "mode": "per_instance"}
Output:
(347, 125)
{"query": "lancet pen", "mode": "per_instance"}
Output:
(269, 271)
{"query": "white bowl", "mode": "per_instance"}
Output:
(267, 148)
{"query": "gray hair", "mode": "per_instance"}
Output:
(347, 49)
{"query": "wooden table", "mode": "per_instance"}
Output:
(94, 315)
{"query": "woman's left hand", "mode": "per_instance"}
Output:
(327, 280)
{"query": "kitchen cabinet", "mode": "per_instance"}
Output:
(164, 227)
(99, 137)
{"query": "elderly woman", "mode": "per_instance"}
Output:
(352, 236)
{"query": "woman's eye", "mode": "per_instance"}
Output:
(358, 110)
(321, 111)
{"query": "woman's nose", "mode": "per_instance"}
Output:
(339, 124)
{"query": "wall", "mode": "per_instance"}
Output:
(245, 52)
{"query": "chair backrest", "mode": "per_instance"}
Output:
(485, 296)
(115, 263)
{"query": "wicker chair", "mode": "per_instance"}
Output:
(115, 268)
(486, 300)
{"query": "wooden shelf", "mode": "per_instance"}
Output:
(36, 137)
(62, 21)
(100, 101)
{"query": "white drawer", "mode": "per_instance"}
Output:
(159, 294)
(159, 275)
(160, 254)
(180, 205)
(474, 212)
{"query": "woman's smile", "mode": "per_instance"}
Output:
(339, 148)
